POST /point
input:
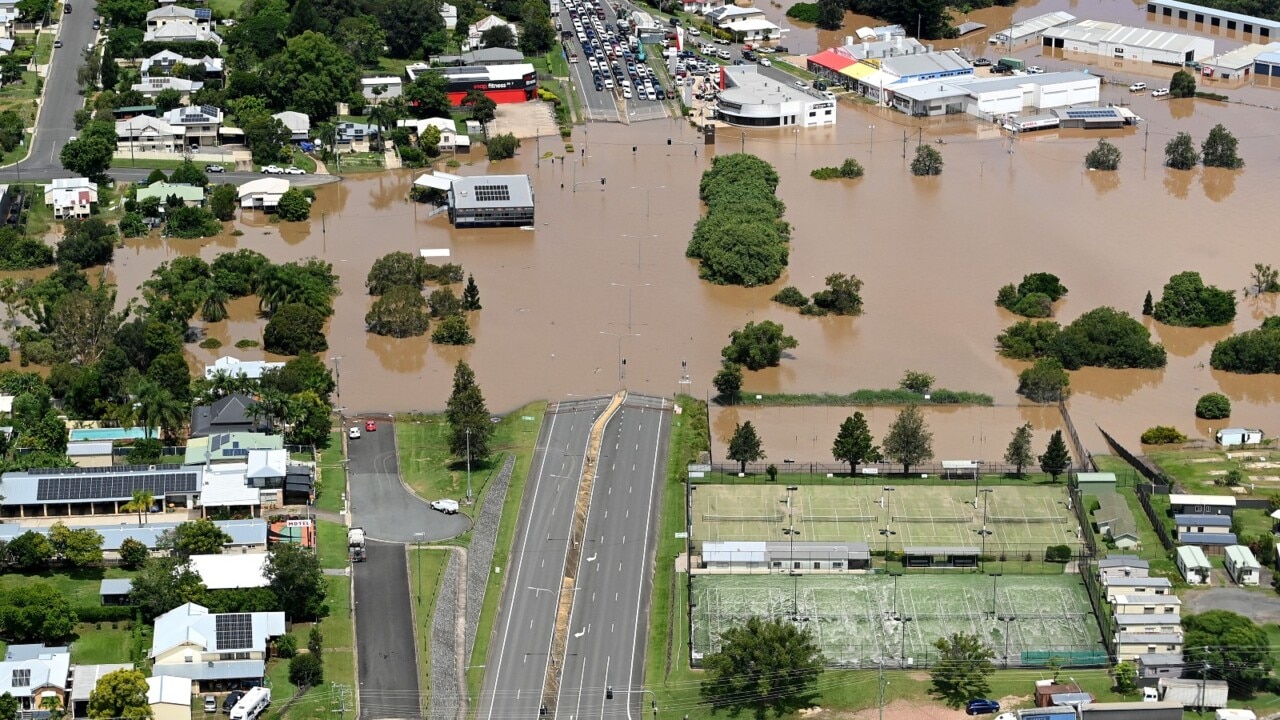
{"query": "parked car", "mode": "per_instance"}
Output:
(293, 170)
(695, 32)
(801, 84)
(1137, 87)
(210, 704)
(765, 62)
(982, 706)
(353, 432)
(1159, 92)
(57, 43)
(828, 95)
(214, 169)
(231, 700)
(272, 170)
(66, 9)
(1035, 70)
(448, 507)
(721, 41)
(370, 426)
(982, 62)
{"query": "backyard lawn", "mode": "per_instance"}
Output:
(80, 587)
(94, 646)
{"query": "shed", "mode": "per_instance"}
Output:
(1153, 666)
(1133, 710)
(84, 679)
(115, 591)
(1210, 543)
(1045, 692)
(169, 697)
(90, 454)
(1123, 566)
(1194, 693)
(1202, 504)
(730, 555)
(1228, 437)
(1095, 480)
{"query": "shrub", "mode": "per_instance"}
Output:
(1035, 305)
(916, 382)
(1033, 297)
(1213, 406)
(1163, 435)
(805, 12)
(928, 161)
(502, 147)
(1188, 302)
(791, 297)
(1105, 156)
(851, 168)
(211, 343)
(1057, 553)
(824, 173)
(246, 343)
(306, 671)
(286, 646)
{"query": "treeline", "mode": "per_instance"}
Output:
(398, 280)
(742, 240)
(1250, 352)
(1103, 337)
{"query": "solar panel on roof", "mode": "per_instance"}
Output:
(237, 452)
(233, 631)
(204, 14)
(492, 193)
(114, 486)
(209, 110)
(215, 442)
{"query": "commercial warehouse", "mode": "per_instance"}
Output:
(1021, 33)
(1108, 39)
(1212, 20)
(753, 100)
(985, 97)
(502, 83)
(491, 200)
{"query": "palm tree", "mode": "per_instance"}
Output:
(52, 704)
(158, 408)
(141, 503)
(214, 308)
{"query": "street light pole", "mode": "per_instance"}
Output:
(791, 533)
(994, 578)
(419, 537)
(337, 379)
(622, 363)
(986, 493)
(1006, 619)
(902, 649)
(629, 288)
(468, 465)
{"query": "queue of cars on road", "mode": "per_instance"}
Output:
(612, 56)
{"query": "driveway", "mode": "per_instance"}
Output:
(388, 660)
(1260, 605)
(380, 502)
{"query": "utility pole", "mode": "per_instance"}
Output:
(1146, 135)
(904, 144)
(468, 465)
(743, 135)
(337, 378)
(418, 536)
(340, 695)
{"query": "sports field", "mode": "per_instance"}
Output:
(860, 619)
(1018, 518)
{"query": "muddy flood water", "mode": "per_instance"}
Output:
(558, 316)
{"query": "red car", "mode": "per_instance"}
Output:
(370, 426)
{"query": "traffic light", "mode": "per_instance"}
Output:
(633, 149)
(668, 141)
(543, 710)
(608, 693)
(601, 182)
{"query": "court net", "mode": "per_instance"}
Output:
(838, 518)
(775, 517)
(1044, 519)
(931, 519)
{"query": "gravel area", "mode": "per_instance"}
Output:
(444, 693)
(1259, 605)
(484, 536)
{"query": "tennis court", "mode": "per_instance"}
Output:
(1017, 518)
(859, 620)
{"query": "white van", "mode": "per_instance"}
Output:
(448, 507)
(252, 704)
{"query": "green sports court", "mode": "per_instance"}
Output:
(1017, 518)
(862, 620)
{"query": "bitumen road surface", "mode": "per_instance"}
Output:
(517, 660)
(606, 105)
(607, 630)
(380, 503)
(388, 661)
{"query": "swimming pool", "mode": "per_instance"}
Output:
(134, 433)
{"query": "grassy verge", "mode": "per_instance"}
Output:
(521, 436)
(426, 571)
(79, 587)
(122, 160)
(44, 49)
(331, 537)
(333, 480)
(788, 475)
(1151, 550)
(100, 643)
(352, 163)
(428, 467)
(303, 161)
(667, 652)
(322, 702)
(869, 397)
(1197, 471)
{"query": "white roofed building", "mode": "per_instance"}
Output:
(476, 31)
(71, 197)
(143, 133)
(31, 673)
(263, 193)
(380, 89)
(169, 697)
(210, 649)
(1121, 42)
(182, 32)
(153, 86)
(226, 572)
(235, 367)
(299, 124)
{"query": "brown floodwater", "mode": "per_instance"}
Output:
(931, 251)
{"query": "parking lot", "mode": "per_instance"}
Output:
(608, 65)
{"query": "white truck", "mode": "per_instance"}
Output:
(252, 704)
(355, 544)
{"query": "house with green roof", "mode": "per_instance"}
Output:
(191, 195)
(229, 447)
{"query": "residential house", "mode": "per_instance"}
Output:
(9, 12)
(164, 62)
(143, 133)
(299, 124)
(1212, 543)
(225, 490)
(229, 447)
(1193, 565)
(476, 31)
(1242, 566)
(1202, 504)
(71, 197)
(235, 367)
(1142, 623)
(1132, 645)
(200, 124)
(182, 32)
(169, 697)
(1123, 566)
(1137, 586)
(1115, 520)
(47, 493)
(176, 14)
(1193, 523)
(30, 673)
(153, 86)
(84, 680)
(213, 649)
(700, 7)
(450, 15)
(231, 413)
(263, 193)
(380, 89)
(1146, 604)
(191, 195)
(450, 139)
(246, 536)
(350, 133)
(747, 23)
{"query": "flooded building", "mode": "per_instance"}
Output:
(1121, 42)
(491, 200)
(1028, 31)
(988, 97)
(501, 83)
(1214, 19)
(1237, 64)
(754, 100)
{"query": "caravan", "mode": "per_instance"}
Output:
(1238, 436)
(252, 704)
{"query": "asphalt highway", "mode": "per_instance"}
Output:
(607, 631)
(517, 660)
